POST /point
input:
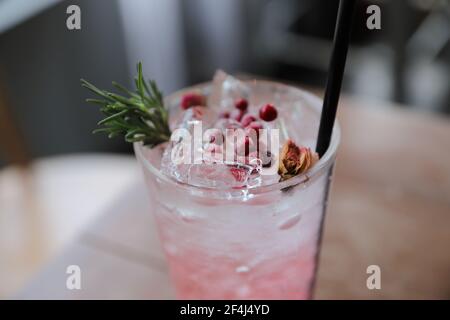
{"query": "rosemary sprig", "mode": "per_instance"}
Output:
(138, 116)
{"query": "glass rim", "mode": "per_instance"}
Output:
(316, 171)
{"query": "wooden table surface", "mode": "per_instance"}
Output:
(389, 206)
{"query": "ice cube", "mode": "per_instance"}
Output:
(208, 172)
(192, 116)
(219, 175)
(224, 124)
(226, 90)
(172, 162)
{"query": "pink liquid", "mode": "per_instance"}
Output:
(242, 251)
(284, 278)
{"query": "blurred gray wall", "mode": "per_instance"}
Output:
(42, 62)
(182, 42)
(179, 42)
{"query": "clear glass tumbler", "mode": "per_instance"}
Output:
(256, 243)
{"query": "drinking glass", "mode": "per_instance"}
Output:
(261, 242)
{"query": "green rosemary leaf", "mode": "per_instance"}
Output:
(113, 135)
(123, 89)
(101, 130)
(97, 101)
(140, 80)
(114, 116)
(139, 116)
(156, 93)
(94, 89)
(147, 90)
(135, 133)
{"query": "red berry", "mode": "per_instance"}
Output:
(241, 104)
(239, 174)
(243, 146)
(247, 119)
(253, 128)
(213, 148)
(247, 145)
(256, 125)
(237, 115)
(224, 115)
(215, 136)
(192, 99)
(268, 112)
(197, 112)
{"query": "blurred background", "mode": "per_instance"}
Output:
(46, 126)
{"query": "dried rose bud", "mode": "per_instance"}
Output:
(192, 99)
(295, 160)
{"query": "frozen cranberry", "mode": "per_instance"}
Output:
(214, 136)
(247, 119)
(224, 115)
(247, 143)
(256, 125)
(268, 112)
(224, 124)
(213, 153)
(192, 99)
(239, 174)
(241, 104)
(198, 112)
(213, 148)
(243, 146)
(253, 129)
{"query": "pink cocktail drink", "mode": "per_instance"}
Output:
(257, 242)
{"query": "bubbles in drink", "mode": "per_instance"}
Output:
(290, 222)
(242, 269)
(243, 291)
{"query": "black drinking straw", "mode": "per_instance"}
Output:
(335, 74)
